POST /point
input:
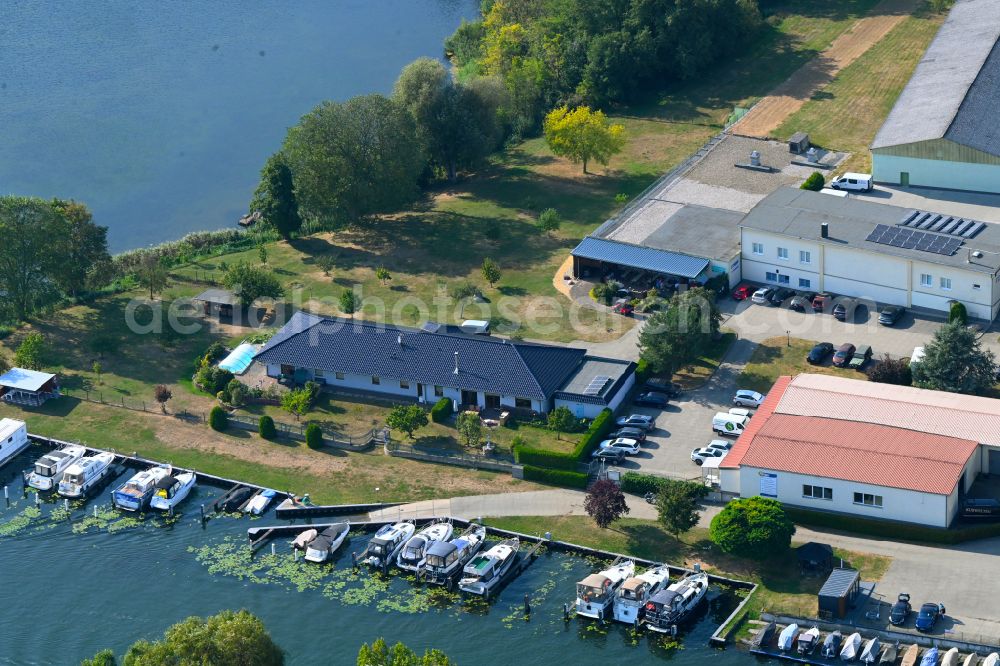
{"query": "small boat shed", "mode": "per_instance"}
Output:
(219, 302)
(28, 388)
(839, 593)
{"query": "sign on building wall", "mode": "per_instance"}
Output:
(768, 484)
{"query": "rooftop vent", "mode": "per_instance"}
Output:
(824, 230)
(755, 158)
(456, 364)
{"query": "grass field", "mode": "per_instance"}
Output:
(774, 358)
(697, 373)
(847, 113)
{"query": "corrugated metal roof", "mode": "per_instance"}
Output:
(635, 256)
(25, 380)
(839, 583)
(952, 93)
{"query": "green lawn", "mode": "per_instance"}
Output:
(698, 372)
(776, 357)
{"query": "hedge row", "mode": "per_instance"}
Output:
(598, 430)
(527, 455)
(441, 410)
(892, 530)
(556, 477)
(640, 484)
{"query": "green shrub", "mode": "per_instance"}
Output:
(441, 410)
(213, 379)
(814, 182)
(265, 427)
(527, 455)
(640, 484)
(215, 352)
(642, 371)
(556, 477)
(958, 313)
(218, 419)
(314, 436)
(5, 332)
(599, 429)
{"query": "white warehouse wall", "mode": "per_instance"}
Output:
(937, 173)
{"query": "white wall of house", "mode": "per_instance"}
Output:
(586, 410)
(897, 504)
(936, 173)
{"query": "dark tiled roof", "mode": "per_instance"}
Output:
(364, 348)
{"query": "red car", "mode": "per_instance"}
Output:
(623, 308)
(742, 292)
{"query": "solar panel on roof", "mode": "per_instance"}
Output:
(974, 229)
(945, 224)
(596, 385)
(910, 239)
(940, 223)
(909, 217)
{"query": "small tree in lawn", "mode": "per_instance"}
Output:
(561, 420)
(325, 263)
(29, 353)
(314, 436)
(548, 220)
(754, 527)
(97, 369)
(470, 427)
(348, 302)
(491, 271)
(152, 275)
(383, 275)
(262, 254)
(162, 394)
(677, 505)
(891, 371)
(406, 418)
(218, 420)
(296, 402)
(605, 503)
(266, 429)
(583, 135)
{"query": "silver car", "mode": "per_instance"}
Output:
(745, 398)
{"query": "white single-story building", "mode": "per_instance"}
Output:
(874, 450)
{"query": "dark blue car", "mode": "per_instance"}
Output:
(928, 616)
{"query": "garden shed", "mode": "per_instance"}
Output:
(218, 302)
(839, 593)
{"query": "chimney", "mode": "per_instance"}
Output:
(399, 339)
(456, 363)
(824, 230)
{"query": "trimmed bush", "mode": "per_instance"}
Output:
(556, 477)
(814, 182)
(441, 410)
(527, 455)
(640, 484)
(265, 427)
(599, 429)
(218, 419)
(314, 436)
(642, 371)
(958, 313)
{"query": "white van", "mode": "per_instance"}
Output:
(729, 424)
(853, 182)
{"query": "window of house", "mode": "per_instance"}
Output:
(784, 279)
(376, 380)
(404, 385)
(783, 253)
(866, 499)
(817, 492)
(926, 280)
(945, 283)
(522, 402)
(804, 283)
(977, 287)
(318, 374)
(758, 248)
(771, 277)
(805, 256)
(438, 391)
(340, 376)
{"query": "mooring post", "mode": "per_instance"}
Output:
(202, 515)
(295, 554)
(565, 612)
(6, 497)
(354, 560)
(66, 504)
(527, 606)
(95, 511)
(170, 510)
(38, 499)
(274, 548)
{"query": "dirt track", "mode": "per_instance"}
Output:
(768, 114)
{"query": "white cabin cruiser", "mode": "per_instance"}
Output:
(596, 592)
(172, 490)
(630, 602)
(486, 570)
(445, 559)
(327, 542)
(80, 477)
(134, 494)
(669, 607)
(13, 439)
(411, 557)
(386, 544)
(49, 468)
(258, 503)
(852, 644)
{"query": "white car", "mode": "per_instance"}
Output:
(740, 411)
(744, 398)
(761, 295)
(720, 445)
(637, 421)
(699, 456)
(629, 447)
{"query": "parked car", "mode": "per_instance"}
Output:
(699, 456)
(928, 616)
(890, 315)
(852, 182)
(819, 353)
(820, 300)
(720, 444)
(862, 355)
(623, 308)
(629, 447)
(665, 386)
(652, 399)
(746, 398)
(780, 296)
(901, 610)
(844, 309)
(610, 456)
(843, 355)
(638, 434)
(761, 296)
(636, 421)
(742, 292)
(800, 302)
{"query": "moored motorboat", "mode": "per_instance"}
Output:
(86, 473)
(667, 608)
(486, 570)
(786, 639)
(446, 559)
(930, 657)
(852, 644)
(831, 644)
(992, 659)
(869, 655)
(950, 657)
(386, 544)
(411, 557)
(302, 539)
(260, 501)
(764, 635)
(237, 498)
(889, 655)
(49, 468)
(808, 641)
(134, 494)
(172, 490)
(971, 659)
(910, 656)
(630, 601)
(596, 592)
(327, 542)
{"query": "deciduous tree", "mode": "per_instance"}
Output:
(383, 275)
(31, 231)
(80, 248)
(406, 418)
(677, 505)
(491, 271)
(890, 370)
(680, 334)
(380, 654)
(30, 352)
(251, 282)
(583, 135)
(227, 639)
(955, 361)
(605, 503)
(470, 428)
(754, 527)
(348, 302)
(152, 275)
(275, 197)
(561, 419)
(162, 394)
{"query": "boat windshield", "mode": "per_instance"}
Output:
(73, 478)
(634, 593)
(378, 549)
(589, 593)
(43, 470)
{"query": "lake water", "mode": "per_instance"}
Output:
(80, 583)
(159, 115)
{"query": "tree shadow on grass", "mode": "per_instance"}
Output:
(651, 542)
